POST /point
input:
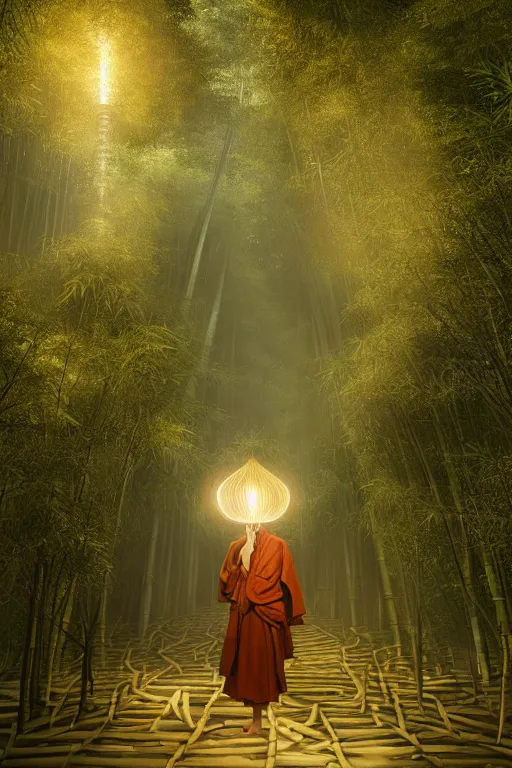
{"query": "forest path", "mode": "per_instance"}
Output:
(160, 705)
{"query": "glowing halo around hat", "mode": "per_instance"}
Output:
(252, 494)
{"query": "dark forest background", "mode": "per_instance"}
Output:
(288, 235)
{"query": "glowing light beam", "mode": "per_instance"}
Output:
(105, 69)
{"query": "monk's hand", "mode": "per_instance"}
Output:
(248, 547)
(251, 531)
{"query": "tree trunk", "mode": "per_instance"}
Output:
(89, 624)
(500, 604)
(127, 468)
(38, 647)
(465, 560)
(21, 228)
(410, 626)
(57, 612)
(149, 576)
(351, 586)
(192, 569)
(57, 199)
(207, 215)
(476, 626)
(214, 316)
(387, 589)
(32, 237)
(462, 561)
(417, 636)
(503, 580)
(66, 621)
(169, 559)
(28, 651)
(65, 199)
(381, 619)
(180, 561)
(103, 618)
(14, 199)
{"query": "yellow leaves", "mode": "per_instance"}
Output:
(376, 373)
(100, 262)
(444, 13)
(168, 440)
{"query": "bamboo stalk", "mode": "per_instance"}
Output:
(344, 763)
(382, 681)
(301, 728)
(287, 733)
(373, 740)
(204, 718)
(313, 716)
(63, 698)
(251, 749)
(504, 683)
(302, 760)
(272, 738)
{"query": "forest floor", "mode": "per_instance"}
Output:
(159, 704)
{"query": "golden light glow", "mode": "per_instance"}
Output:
(105, 70)
(252, 494)
(252, 499)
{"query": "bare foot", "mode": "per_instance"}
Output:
(254, 727)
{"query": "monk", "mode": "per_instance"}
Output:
(259, 579)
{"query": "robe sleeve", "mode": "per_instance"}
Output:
(294, 601)
(229, 573)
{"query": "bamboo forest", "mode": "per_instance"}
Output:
(255, 297)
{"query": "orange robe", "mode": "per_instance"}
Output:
(265, 601)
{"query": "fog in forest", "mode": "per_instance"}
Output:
(270, 229)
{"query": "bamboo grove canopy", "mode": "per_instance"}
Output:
(252, 494)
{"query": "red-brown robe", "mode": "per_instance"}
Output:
(265, 601)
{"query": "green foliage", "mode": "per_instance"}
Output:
(494, 80)
(399, 174)
(363, 340)
(97, 356)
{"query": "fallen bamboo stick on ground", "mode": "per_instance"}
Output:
(142, 728)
